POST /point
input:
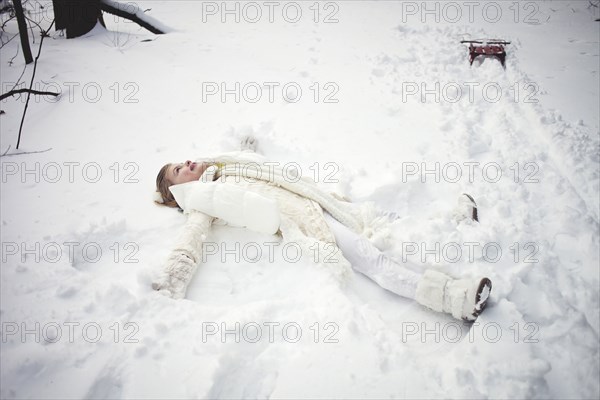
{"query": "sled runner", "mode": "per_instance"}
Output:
(487, 48)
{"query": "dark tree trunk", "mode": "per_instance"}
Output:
(23, 31)
(78, 17)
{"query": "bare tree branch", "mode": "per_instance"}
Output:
(4, 43)
(23, 152)
(114, 7)
(13, 57)
(6, 22)
(44, 34)
(17, 91)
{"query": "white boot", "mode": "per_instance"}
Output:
(463, 298)
(466, 208)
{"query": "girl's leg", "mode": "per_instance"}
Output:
(370, 261)
(463, 298)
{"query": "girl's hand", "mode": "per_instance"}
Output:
(178, 273)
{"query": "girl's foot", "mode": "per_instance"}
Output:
(466, 208)
(462, 298)
(481, 297)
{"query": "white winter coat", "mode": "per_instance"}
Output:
(300, 205)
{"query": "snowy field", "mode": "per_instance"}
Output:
(375, 100)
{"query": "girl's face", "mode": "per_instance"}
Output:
(185, 172)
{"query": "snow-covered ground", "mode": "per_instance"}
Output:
(387, 96)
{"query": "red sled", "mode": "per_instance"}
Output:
(487, 48)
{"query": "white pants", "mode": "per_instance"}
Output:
(370, 261)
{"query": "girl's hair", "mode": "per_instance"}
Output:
(162, 187)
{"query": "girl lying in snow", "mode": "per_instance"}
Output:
(242, 189)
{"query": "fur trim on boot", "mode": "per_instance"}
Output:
(462, 298)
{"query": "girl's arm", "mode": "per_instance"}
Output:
(184, 257)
